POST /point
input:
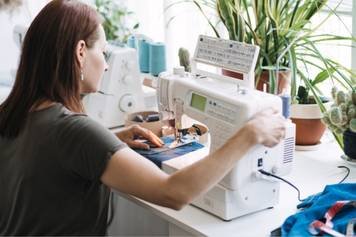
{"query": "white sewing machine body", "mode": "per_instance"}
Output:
(225, 107)
(121, 89)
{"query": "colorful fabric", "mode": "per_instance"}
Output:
(315, 207)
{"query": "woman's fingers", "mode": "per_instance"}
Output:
(147, 134)
(138, 145)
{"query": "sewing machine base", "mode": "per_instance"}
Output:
(225, 203)
(228, 204)
(213, 202)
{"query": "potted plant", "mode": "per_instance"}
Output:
(341, 120)
(289, 50)
(115, 23)
(307, 116)
(283, 31)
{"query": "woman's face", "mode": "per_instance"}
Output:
(94, 64)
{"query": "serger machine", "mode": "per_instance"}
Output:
(225, 104)
(121, 91)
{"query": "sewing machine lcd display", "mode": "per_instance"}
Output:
(198, 102)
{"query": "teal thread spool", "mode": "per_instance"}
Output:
(143, 55)
(132, 42)
(157, 58)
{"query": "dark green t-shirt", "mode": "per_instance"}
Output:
(50, 175)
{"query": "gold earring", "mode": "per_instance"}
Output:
(81, 76)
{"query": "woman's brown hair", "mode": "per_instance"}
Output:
(48, 68)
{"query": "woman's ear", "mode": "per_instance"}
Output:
(80, 52)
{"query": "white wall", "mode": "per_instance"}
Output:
(150, 16)
(183, 24)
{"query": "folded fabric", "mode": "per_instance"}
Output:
(317, 205)
(158, 155)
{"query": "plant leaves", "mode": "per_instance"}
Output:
(323, 75)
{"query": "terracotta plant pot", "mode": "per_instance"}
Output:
(284, 78)
(309, 127)
(308, 131)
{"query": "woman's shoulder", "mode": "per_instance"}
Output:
(82, 123)
(62, 122)
(59, 117)
(68, 117)
(79, 128)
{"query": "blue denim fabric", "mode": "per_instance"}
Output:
(158, 155)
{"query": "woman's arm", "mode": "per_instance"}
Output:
(131, 173)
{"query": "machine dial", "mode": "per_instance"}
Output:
(127, 103)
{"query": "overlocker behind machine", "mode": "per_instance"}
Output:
(224, 104)
(121, 91)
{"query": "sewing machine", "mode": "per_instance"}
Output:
(224, 105)
(121, 91)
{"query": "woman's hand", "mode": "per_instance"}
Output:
(133, 132)
(267, 127)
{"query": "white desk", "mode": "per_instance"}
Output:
(311, 172)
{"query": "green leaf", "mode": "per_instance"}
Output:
(323, 75)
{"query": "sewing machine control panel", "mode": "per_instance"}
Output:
(213, 107)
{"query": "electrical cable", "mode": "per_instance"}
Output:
(347, 174)
(292, 185)
(284, 180)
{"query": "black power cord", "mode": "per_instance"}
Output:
(347, 172)
(292, 185)
(284, 180)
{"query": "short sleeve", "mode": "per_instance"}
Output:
(85, 146)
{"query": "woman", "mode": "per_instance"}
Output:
(57, 165)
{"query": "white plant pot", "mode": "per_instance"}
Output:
(308, 111)
(309, 128)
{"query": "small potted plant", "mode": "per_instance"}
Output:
(307, 110)
(341, 120)
(306, 114)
